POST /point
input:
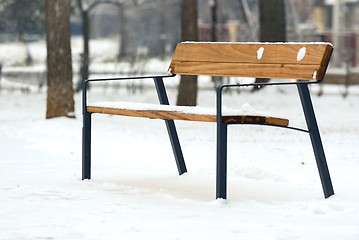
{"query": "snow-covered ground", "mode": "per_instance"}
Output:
(274, 191)
(15, 53)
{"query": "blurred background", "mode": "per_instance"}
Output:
(136, 32)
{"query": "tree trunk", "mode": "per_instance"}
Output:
(85, 58)
(60, 99)
(123, 33)
(272, 25)
(187, 91)
(85, 55)
(272, 21)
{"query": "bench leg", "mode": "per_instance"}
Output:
(221, 181)
(171, 128)
(176, 147)
(316, 140)
(86, 146)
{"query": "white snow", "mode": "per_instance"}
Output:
(301, 54)
(260, 53)
(315, 75)
(274, 191)
(15, 54)
(245, 109)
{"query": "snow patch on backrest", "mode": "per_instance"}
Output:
(301, 53)
(260, 53)
(315, 75)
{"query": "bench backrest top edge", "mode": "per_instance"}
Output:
(257, 43)
(297, 60)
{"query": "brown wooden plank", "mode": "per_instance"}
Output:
(325, 61)
(155, 114)
(265, 120)
(166, 115)
(311, 57)
(287, 71)
(247, 52)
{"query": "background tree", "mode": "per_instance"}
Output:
(85, 56)
(85, 7)
(22, 17)
(187, 91)
(60, 101)
(122, 51)
(272, 21)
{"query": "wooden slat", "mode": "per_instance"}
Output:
(165, 115)
(284, 71)
(279, 60)
(154, 114)
(265, 120)
(247, 52)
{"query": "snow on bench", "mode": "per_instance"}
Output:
(245, 114)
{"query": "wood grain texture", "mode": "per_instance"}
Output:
(168, 115)
(302, 61)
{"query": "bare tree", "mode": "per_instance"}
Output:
(60, 100)
(85, 59)
(122, 51)
(272, 20)
(85, 8)
(22, 18)
(187, 91)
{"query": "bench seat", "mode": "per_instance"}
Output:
(188, 113)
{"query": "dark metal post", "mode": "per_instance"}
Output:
(315, 139)
(221, 185)
(221, 180)
(171, 128)
(86, 136)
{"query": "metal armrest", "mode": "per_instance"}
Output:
(220, 88)
(86, 82)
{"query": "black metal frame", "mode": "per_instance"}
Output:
(312, 129)
(86, 128)
(222, 130)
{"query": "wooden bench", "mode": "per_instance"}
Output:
(304, 62)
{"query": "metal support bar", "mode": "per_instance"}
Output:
(171, 128)
(127, 78)
(268, 84)
(86, 137)
(86, 147)
(221, 180)
(315, 139)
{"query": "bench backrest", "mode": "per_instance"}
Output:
(302, 61)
